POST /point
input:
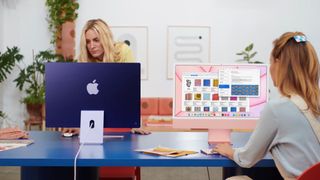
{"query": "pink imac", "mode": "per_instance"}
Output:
(219, 98)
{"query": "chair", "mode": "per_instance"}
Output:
(149, 106)
(119, 173)
(312, 173)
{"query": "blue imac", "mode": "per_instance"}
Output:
(111, 87)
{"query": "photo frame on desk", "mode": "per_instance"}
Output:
(136, 37)
(187, 44)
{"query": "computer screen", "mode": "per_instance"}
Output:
(111, 87)
(219, 97)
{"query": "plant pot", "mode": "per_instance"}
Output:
(35, 111)
(65, 42)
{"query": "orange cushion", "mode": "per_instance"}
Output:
(149, 106)
(165, 106)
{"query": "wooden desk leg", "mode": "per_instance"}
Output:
(43, 128)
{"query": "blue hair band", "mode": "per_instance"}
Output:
(300, 38)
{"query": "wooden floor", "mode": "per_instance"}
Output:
(9, 173)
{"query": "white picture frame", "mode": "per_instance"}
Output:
(187, 44)
(137, 39)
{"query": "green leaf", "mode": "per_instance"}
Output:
(3, 115)
(252, 55)
(8, 60)
(242, 53)
(249, 48)
(258, 62)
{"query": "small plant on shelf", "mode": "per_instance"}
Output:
(248, 55)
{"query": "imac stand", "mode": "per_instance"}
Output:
(91, 127)
(217, 136)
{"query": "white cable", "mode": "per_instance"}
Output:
(75, 162)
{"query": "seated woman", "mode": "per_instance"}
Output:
(284, 130)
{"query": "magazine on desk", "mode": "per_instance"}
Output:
(12, 144)
(164, 151)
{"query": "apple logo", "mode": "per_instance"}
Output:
(92, 88)
(91, 124)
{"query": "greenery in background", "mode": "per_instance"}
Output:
(8, 60)
(60, 11)
(31, 78)
(248, 56)
(2, 115)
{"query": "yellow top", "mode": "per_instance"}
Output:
(125, 53)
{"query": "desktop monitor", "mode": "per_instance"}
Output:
(111, 87)
(219, 97)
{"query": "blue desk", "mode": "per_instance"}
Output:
(50, 149)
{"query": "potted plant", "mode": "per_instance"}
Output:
(31, 80)
(248, 56)
(60, 12)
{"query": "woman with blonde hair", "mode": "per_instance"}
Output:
(97, 44)
(289, 126)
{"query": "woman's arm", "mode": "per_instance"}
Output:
(258, 144)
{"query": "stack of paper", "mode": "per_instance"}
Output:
(164, 151)
(12, 144)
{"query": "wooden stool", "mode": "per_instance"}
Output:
(34, 121)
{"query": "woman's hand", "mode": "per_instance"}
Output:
(225, 150)
(74, 131)
(140, 131)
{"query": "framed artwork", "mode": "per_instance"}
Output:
(136, 37)
(187, 44)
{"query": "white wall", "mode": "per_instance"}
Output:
(234, 24)
(1, 29)
(1, 44)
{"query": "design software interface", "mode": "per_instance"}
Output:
(220, 90)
